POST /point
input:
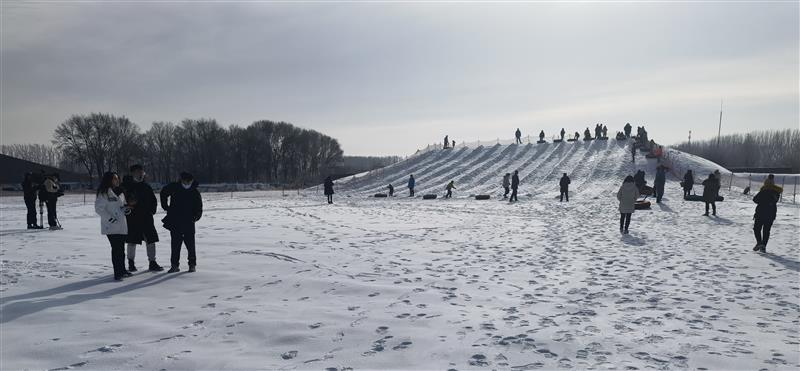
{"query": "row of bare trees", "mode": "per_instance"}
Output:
(774, 148)
(265, 151)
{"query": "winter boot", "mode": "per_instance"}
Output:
(758, 247)
(191, 268)
(154, 267)
(763, 248)
(131, 266)
(127, 274)
(174, 269)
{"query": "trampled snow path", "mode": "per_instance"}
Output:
(292, 283)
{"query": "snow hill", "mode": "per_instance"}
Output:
(593, 166)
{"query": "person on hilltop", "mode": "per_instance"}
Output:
(514, 186)
(710, 193)
(562, 134)
(411, 184)
(564, 185)
(688, 183)
(627, 196)
(587, 134)
(767, 208)
(111, 206)
(506, 185)
(328, 185)
(605, 131)
(633, 151)
(184, 206)
(578, 135)
(541, 136)
(141, 227)
(446, 142)
(449, 188)
(628, 129)
(518, 135)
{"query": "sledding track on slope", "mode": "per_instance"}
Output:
(594, 166)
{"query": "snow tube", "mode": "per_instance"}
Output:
(571, 140)
(482, 197)
(558, 140)
(588, 139)
(700, 198)
(642, 205)
(380, 195)
(429, 197)
(602, 138)
(540, 141)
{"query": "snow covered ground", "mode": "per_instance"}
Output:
(294, 283)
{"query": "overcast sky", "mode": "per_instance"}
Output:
(388, 78)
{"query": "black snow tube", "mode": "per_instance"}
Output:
(380, 195)
(429, 197)
(482, 197)
(642, 205)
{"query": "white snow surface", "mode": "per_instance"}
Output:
(404, 283)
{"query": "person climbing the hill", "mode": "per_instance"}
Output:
(454, 143)
(391, 190)
(541, 136)
(633, 151)
(688, 183)
(627, 196)
(562, 134)
(564, 185)
(141, 227)
(518, 135)
(587, 134)
(411, 184)
(506, 184)
(514, 186)
(449, 188)
(710, 192)
(661, 180)
(446, 142)
(110, 205)
(328, 185)
(767, 207)
(184, 207)
(628, 130)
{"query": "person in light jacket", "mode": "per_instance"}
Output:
(111, 206)
(627, 196)
(506, 185)
(450, 187)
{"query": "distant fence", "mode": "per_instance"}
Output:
(741, 179)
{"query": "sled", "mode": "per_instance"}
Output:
(558, 140)
(571, 140)
(540, 141)
(429, 197)
(482, 197)
(700, 198)
(642, 205)
(380, 195)
(602, 138)
(587, 139)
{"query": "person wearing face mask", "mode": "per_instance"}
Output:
(184, 207)
(110, 204)
(141, 227)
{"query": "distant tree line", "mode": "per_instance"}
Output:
(773, 148)
(265, 151)
(39, 153)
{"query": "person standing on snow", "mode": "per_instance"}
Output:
(514, 186)
(411, 184)
(628, 129)
(141, 227)
(564, 184)
(391, 190)
(446, 142)
(688, 183)
(661, 180)
(541, 136)
(29, 189)
(506, 184)
(562, 134)
(518, 135)
(605, 131)
(328, 185)
(587, 134)
(450, 187)
(710, 192)
(627, 196)
(51, 191)
(633, 152)
(111, 206)
(184, 207)
(767, 200)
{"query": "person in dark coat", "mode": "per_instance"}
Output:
(50, 191)
(514, 186)
(411, 184)
(767, 200)
(628, 128)
(688, 183)
(661, 180)
(184, 208)
(639, 180)
(518, 135)
(564, 184)
(450, 187)
(541, 136)
(143, 203)
(605, 131)
(391, 190)
(633, 152)
(710, 193)
(587, 134)
(29, 189)
(577, 135)
(446, 142)
(562, 134)
(598, 131)
(329, 189)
